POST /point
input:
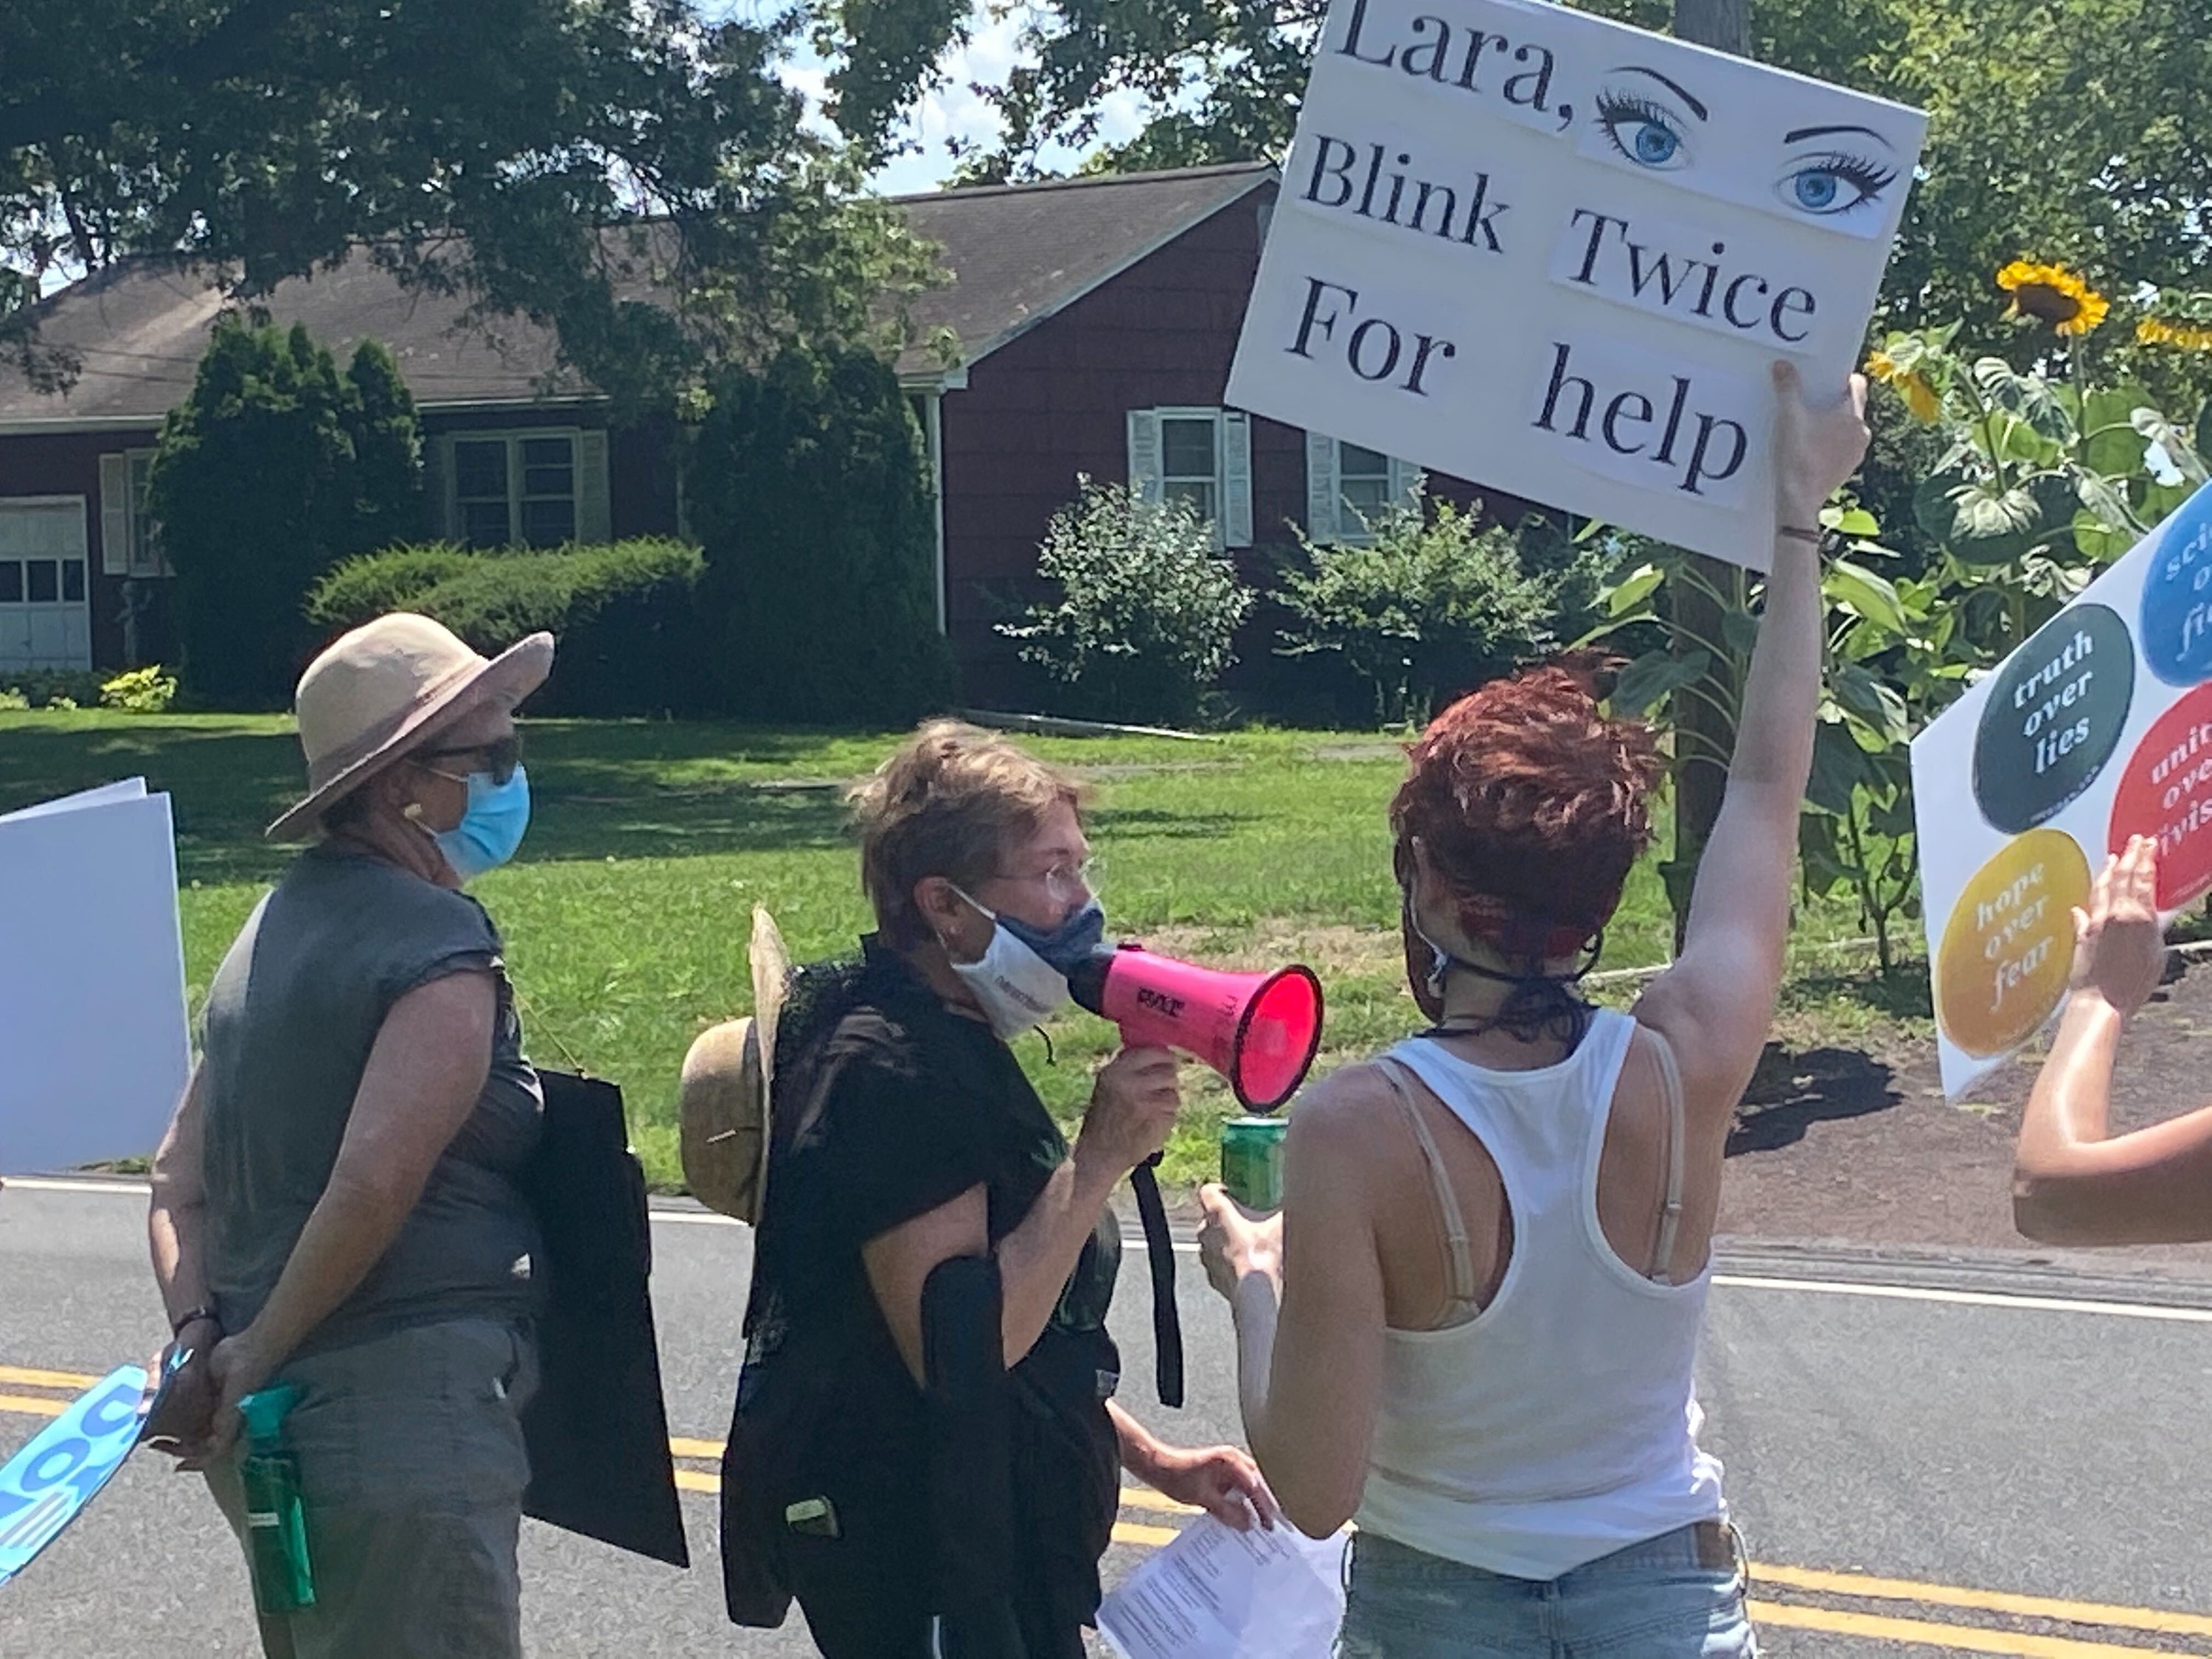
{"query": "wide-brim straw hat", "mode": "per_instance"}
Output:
(724, 1102)
(387, 687)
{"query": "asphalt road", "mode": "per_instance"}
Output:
(1984, 1459)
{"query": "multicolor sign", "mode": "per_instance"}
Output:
(2097, 729)
(45, 1485)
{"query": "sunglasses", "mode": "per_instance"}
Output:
(500, 757)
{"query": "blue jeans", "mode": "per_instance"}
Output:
(1650, 1601)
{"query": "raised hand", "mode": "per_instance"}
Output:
(1816, 448)
(2119, 949)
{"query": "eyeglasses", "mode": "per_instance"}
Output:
(500, 756)
(1068, 881)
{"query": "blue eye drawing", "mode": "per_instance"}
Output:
(1825, 185)
(1641, 131)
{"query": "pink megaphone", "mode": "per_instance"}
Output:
(1260, 1031)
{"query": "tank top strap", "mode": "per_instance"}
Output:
(1458, 1247)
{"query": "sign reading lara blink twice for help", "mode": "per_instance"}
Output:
(1555, 254)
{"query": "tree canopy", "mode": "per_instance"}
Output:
(2078, 130)
(554, 158)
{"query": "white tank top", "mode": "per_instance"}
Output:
(1560, 1424)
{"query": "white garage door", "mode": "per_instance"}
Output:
(46, 621)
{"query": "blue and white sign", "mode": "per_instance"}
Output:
(44, 1486)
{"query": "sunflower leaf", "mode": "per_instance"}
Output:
(2179, 447)
(1632, 590)
(2029, 397)
(1653, 675)
(1863, 593)
(2110, 443)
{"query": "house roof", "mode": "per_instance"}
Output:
(1016, 254)
(1019, 253)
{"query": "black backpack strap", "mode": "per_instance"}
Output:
(1167, 1323)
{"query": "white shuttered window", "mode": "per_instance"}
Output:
(540, 487)
(1349, 487)
(1201, 456)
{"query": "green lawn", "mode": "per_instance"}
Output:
(627, 917)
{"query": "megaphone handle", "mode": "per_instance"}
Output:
(1167, 1323)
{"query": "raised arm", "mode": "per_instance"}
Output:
(2074, 1183)
(1715, 1004)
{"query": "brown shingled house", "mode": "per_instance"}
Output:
(1095, 320)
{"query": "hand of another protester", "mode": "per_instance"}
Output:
(236, 1368)
(2119, 949)
(1222, 1481)
(1133, 1103)
(1816, 448)
(1233, 1241)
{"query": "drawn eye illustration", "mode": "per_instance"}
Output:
(1825, 184)
(1641, 132)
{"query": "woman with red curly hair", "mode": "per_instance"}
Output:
(1472, 1324)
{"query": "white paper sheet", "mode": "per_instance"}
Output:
(1219, 1594)
(93, 1047)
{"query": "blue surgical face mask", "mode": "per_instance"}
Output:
(491, 828)
(1022, 977)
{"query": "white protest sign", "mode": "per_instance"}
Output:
(93, 1047)
(1555, 254)
(2097, 729)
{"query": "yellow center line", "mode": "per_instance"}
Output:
(1871, 1626)
(31, 1379)
(1955, 1638)
(1950, 1595)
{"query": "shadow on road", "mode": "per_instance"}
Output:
(1792, 1091)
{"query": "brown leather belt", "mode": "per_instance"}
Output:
(1719, 1548)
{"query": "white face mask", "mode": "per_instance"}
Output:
(1017, 988)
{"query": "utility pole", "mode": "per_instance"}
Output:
(1702, 732)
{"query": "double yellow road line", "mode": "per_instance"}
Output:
(1872, 1609)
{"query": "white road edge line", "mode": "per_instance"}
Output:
(1187, 1247)
(1968, 1298)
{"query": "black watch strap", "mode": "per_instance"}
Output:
(192, 1317)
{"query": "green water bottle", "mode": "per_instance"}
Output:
(276, 1519)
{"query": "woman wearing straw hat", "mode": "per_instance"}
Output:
(334, 1206)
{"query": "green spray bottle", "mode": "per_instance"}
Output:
(275, 1518)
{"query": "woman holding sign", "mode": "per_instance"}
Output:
(335, 1209)
(2074, 1180)
(1496, 1376)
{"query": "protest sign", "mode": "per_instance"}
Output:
(46, 1485)
(1551, 253)
(92, 980)
(2096, 729)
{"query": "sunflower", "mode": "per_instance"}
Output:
(2053, 294)
(2179, 332)
(1912, 386)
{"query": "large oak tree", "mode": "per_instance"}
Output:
(556, 158)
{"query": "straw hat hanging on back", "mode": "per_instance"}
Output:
(722, 1108)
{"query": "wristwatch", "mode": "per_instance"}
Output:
(193, 1316)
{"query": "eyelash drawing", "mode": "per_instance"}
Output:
(1810, 187)
(1655, 143)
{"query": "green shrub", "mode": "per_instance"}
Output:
(145, 690)
(807, 485)
(276, 466)
(1434, 605)
(626, 615)
(1147, 610)
(58, 688)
